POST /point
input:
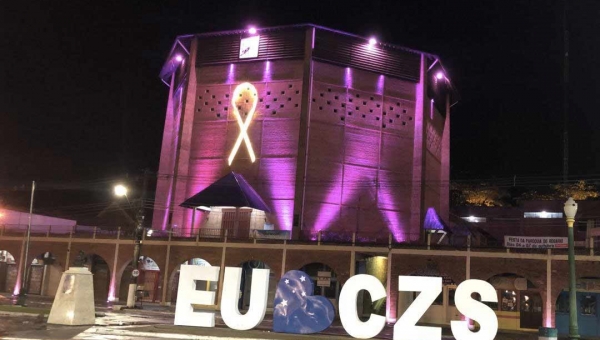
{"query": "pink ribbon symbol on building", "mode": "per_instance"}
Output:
(244, 93)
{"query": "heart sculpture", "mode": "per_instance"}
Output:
(296, 310)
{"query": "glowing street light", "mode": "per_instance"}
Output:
(439, 75)
(178, 58)
(252, 30)
(120, 190)
(372, 42)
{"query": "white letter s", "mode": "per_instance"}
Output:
(475, 310)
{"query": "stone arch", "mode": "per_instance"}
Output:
(98, 265)
(173, 280)
(523, 297)
(246, 282)
(45, 273)
(149, 279)
(9, 269)
(339, 264)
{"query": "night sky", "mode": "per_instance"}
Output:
(80, 97)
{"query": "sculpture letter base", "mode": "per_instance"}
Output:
(74, 301)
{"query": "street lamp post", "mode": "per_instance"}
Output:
(22, 298)
(121, 191)
(570, 211)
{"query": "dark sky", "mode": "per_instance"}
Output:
(80, 96)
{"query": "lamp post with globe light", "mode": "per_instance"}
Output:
(570, 211)
(121, 191)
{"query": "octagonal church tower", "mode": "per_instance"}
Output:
(333, 133)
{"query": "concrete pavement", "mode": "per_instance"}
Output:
(155, 322)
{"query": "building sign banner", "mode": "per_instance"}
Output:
(535, 242)
(249, 47)
(296, 310)
(323, 279)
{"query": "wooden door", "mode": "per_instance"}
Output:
(531, 310)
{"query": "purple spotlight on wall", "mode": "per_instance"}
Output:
(372, 41)
(267, 72)
(439, 75)
(231, 74)
(252, 30)
(348, 77)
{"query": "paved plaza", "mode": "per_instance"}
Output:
(153, 322)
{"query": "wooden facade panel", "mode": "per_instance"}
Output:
(359, 187)
(396, 153)
(212, 144)
(398, 116)
(394, 191)
(326, 144)
(254, 72)
(369, 82)
(321, 216)
(328, 104)
(204, 172)
(273, 44)
(280, 186)
(399, 88)
(324, 188)
(280, 138)
(435, 129)
(329, 74)
(357, 53)
(363, 109)
(280, 100)
(213, 103)
(362, 147)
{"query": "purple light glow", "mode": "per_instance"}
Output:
(252, 30)
(279, 186)
(177, 114)
(17, 288)
(432, 220)
(113, 287)
(178, 58)
(390, 203)
(267, 72)
(380, 84)
(231, 74)
(348, 77)
(439, 75)
(431, 110)
(372, 42)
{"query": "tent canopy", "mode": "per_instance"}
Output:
(231, 190)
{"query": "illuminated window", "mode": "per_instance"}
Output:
(543, 214)
(472, 219)
(509, 301)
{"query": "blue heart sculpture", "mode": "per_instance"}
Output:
(296, 310)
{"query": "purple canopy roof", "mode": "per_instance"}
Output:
(231, 190)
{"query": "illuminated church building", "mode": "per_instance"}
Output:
(327, 133)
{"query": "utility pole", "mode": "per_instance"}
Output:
(139, 229)
(565, 94)
(21, 299)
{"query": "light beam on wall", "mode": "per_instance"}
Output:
(248, 91)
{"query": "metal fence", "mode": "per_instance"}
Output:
(231, 234)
